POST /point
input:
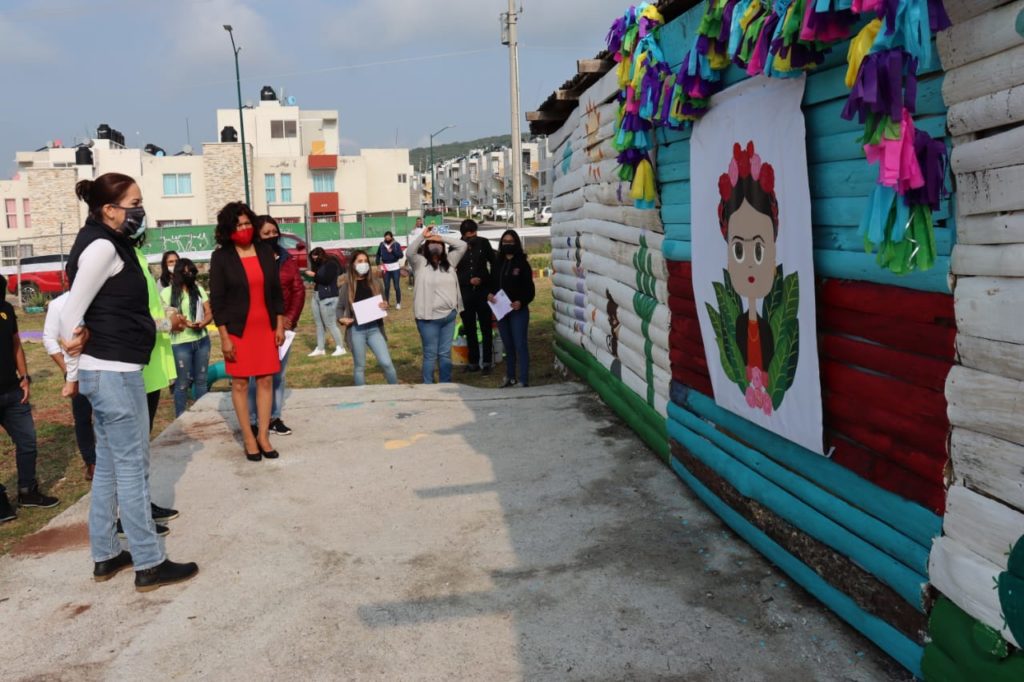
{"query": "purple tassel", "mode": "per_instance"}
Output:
(616, 34)
(937, 17)
(880, 86)
(933, 157)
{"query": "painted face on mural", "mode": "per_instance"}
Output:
(752, 259)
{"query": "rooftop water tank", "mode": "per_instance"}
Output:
(83, 156)
(228, 134)
(103, 132)
(267, 94)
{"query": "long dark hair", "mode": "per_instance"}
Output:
(165, 273)
(227, 221)
(108, 188)
(179, 286)
(324, 257)
(520, 253)
(443, 263)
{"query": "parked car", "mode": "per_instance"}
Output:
(529, 214)
(544, 217)
(38, 275)
(296, 246)
(487, 212)
(503, 214)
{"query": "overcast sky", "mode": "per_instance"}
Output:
(393, 68)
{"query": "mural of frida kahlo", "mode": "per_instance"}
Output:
(759, 345)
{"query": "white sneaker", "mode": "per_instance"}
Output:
(317, 352)
(398, 306)
(339, 351)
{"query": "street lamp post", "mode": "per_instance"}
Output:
(433, 172)
(241, 118)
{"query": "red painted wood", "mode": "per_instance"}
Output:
(920, 434)
(889, 394)
(906, 335)
(683, 307)
(916, 369)
(928, 466)
(888, 475)
(887, 301)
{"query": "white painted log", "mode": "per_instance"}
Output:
(991, 191)
(624, 254)
(568, 202)
(997, 151)
(986, 403)
(608, 193)
(599, 288)
(991, 110)
(562, 135)
(992, 466)
(601, 92)
(962, 10)
(635, 343)
(569, 296)
(969, 581)
(604, 171)
(990, 308)
(981, 36)
(602, 151)
(1003, 260)
(574, 229)
(988, 528)
(633, 382)
(994, 357)
(567, 332)
(658, 335)
(992, 74)
(994, 228)
(569, 283)
(621, 273)
(636, 218)
(570, 311)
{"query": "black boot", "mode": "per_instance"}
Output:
(6, 509)
(162, 514)
(105, 570)
(166, 573)
(31, 497)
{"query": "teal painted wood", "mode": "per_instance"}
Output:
(929, 96)
(913, 520)
(679, 35)
(863, 267)
(882, 538)
(842, 179)
(905, 582)
(673, 171)
(676, 250)
(904, 650)
(841, 147)
(824, 119)
(847, 238)
(676, 213)
(826, 85)
(837, 211)
(676, 152)
(669, 136)
(675, 193)
(678, 231)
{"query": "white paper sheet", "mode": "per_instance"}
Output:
(289, 336)
(369, 310)
(391, 267)
(501, 306)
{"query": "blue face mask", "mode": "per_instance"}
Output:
(134, 225)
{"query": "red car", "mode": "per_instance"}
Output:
(39, 275)
(297, 248)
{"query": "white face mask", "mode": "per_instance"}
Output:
(362, 267)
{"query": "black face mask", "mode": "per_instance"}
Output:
(189, 277)
(272, 241)
(507, 249)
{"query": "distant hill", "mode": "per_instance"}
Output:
(420, 157)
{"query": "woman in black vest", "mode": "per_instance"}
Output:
(109, 292)
(248, 309)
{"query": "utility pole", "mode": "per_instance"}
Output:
(510, 37)
(241, 118)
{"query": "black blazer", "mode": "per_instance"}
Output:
(229, 288)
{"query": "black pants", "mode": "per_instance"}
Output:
(476, 310)
(81, 409)
(153, 402)
(16, 418)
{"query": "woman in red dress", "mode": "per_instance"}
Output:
(248, 309)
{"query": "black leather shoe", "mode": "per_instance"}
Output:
(105, 570)
(31, 497)
(7, 512)
(161, 530)
(162, 514)
(269, 454)
(166, 573)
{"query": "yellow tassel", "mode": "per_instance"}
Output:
(641, 69)
(860, 46)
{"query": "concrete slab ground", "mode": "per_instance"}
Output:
(423, 532)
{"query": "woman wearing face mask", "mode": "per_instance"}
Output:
(191, 345)
(389, 253)
(513, 275)
(361, 283)
(325, 272)
(109, 291)
(167, 264)
(248, 309)
(437, 300)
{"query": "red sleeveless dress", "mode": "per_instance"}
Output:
(255, 350)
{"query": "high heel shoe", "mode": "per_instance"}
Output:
(254, 458)
(269, 454)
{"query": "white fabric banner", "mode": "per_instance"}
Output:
(753, 268)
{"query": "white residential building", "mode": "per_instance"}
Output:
(482, 177)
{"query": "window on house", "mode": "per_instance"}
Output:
(177, 184)
(286, 188)
(173, 223)
(402, 178)
(11, 206)
(283, 129)
(323, 181)
(26, 214)
(270, 184)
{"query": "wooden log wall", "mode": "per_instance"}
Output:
(978, 564)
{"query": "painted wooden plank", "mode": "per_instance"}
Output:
(990, 110)
(675, 213)
(997, 151)
(993, 228)
(677, 231)
(842, 179)
(841, 147)
(675, 193)
(989, 465)
(906, 334)
(991, 191)
(886, 392)
(847, 238)
(982, 36)
(969, 581)
(826, 84)
(915, 369)
(673, 172)
(988, 528)
(913, 520)
(1004, 260)
(962, 10)
(897, 645)
(902, 305)
(991, 74)
(885, 473)
(904, 427)
(676, 250)
(838, 211)
(994, 357)
(991, 308)
(824, 119)
(863, 267)
(750, 482)
(986, 403)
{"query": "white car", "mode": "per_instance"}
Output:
(503, 214)
(529, 214)
(544, 217)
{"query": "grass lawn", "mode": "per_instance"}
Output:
(60, 470)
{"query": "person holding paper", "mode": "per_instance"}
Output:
(513, 276)
(437, 300)
(366, 327)
(389, 256)
(191, 345)
(475, 284)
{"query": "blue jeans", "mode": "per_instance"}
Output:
(325, 315)
(393, 276)
(436, 336)
(17, 422)
(275, 411)
(121, 481)
(372, 336)
(514, 330)
(192, 359)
